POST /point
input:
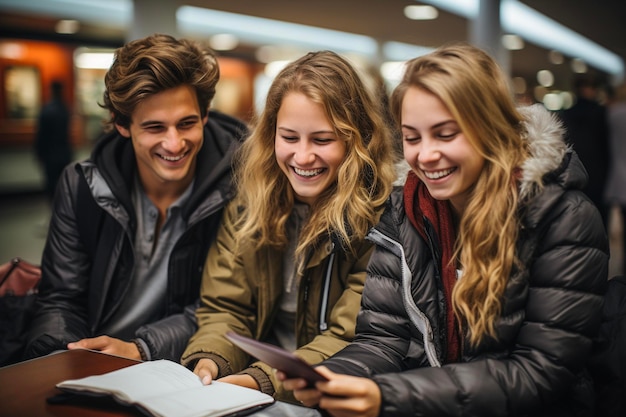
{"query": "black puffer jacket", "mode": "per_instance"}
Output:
(88, 258)
(551, 307)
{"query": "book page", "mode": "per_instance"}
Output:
(133, 383)
(216, 399)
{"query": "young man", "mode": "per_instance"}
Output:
(131, 225)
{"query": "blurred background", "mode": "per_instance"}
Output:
(542, 45)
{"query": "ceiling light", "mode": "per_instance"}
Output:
(516, 17)
(392, 70)
(223, 42)
(512, 42)
(414, 12)
(261, 31)
(116, 13)
(545, 78)
(273, 68)
(67, 26)
(553, 101)
(555, 57)
(87, 58)
(398, 51)
(11, 50)
(579, 66)
(568, 99)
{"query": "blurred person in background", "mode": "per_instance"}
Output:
(52, 139)
(616, 185)
(587, 130)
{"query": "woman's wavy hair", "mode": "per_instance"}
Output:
(477, 94)
(350, 206)
(147, 66)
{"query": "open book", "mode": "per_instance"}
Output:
(164, 388)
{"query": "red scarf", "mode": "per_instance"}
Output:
(439, 214)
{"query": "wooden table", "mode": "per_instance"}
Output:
(26, 386)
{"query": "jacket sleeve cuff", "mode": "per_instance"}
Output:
(261, 378)
(143, 349)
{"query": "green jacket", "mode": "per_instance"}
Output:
(243, 294)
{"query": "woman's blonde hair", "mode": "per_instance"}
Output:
(351, 205)
(477, 94)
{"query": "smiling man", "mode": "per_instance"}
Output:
(131, 225)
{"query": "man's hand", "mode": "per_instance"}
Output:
(341, 395)
(242, 380)
(207, 370)
(110, 345)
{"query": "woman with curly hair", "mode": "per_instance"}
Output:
(485, 287)
(288, 265)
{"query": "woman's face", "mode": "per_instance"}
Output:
(307, 149)
(437, 150)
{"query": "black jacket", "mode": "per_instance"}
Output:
(551, 306)
(88, 258)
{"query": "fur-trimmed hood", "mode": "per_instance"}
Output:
(545, 136)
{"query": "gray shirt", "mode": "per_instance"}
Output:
(144, 301)
(284, 327)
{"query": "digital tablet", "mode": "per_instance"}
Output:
(276, 357)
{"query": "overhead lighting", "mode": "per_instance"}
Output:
(117, 13)
(273, 68)
(415, 12)
(86, 58)
(516, 18)
(568, 99)
(534, 27)
(545, 78)
(512, 42)
(67, 26)
(555, 57)
(11, 50)
(579, 66)
(553, 101)
(223, 42)
(261, 31)
(393, 70)
(465, 8)
(398, 51)
(539, 29)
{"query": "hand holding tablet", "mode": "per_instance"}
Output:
(277, 358)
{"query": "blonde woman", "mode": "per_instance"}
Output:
(485, 288)
(289, 261)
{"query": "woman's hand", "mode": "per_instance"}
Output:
(243, 380)
(341, 395)
(207, 370)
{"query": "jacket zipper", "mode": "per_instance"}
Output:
(323, 324)
(416, 316)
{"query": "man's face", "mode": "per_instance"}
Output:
(167, 133)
